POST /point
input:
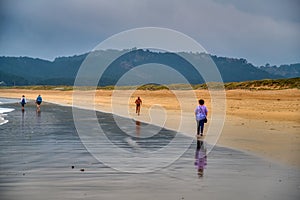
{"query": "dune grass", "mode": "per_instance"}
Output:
(268, 84)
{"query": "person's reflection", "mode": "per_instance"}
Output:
(38, 117)
(200, 158)
(38, 114)
(22, 120)
(138, 128)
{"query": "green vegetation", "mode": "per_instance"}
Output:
(39, 87)
(22, 71)
(268, 84)
(153, 87)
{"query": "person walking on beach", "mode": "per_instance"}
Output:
(38, 102)
(201, 117)
(138, 103)
(23, 102)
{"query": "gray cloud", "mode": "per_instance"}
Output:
(260, 31)
(287, 10)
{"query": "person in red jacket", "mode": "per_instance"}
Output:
(138, 103)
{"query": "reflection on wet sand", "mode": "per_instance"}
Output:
(138, 128)
(200, 158)
(22, 120)
(38, 114)
(36, 164)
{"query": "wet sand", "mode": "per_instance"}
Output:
(265, 123)
(38, 151)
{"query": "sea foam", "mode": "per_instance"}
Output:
(5, 110)
(2, 115)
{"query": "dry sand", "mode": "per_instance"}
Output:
(265, 123)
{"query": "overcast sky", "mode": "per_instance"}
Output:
(262, 31)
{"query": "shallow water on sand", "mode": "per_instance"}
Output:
(4, 110)
(38, 150)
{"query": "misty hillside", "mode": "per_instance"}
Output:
(63, 70)
(288, 71)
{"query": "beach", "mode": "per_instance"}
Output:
(43, 157)
(265, 123)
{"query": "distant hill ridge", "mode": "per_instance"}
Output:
(62, 71)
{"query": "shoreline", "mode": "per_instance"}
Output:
(255, 132)
(43, 154)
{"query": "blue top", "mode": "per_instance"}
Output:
(39, 99)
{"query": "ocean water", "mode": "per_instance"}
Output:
(43, 157)
(4, 110)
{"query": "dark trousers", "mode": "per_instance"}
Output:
(200, 126)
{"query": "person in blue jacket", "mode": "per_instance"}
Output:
(38, 102)
(23, 102)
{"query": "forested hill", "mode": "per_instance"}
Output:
(63, 70)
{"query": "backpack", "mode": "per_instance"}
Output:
(39, 99)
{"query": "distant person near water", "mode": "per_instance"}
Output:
(201, 114)
(23, 102)
(138, 103)
(38, 102)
